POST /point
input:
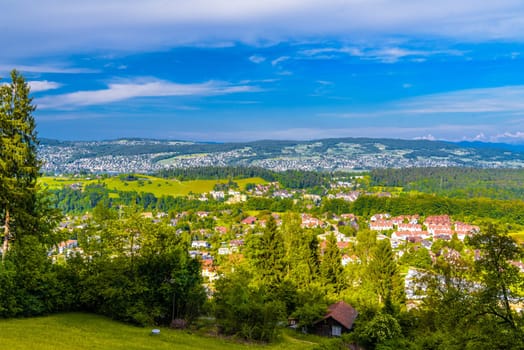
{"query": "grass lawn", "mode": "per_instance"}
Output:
(158, 186)
(518, 236)
(75, 331)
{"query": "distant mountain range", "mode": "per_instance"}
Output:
(355, 154)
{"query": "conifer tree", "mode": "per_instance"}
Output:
(271, 258)
(301, 251)
(331, 269)
(384, 273)
(19, 166)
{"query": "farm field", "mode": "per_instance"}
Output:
(75, 331)
(145, 183)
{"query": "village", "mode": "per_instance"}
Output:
(218, 238)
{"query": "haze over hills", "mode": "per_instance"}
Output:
(149, 155)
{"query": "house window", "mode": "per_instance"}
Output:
(336, 331)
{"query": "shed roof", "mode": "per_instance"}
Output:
(343, 313)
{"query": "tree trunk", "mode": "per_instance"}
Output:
(5, 246)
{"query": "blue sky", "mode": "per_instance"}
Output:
(241, 70)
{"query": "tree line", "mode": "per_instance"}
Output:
(454, 182)
(295, 179)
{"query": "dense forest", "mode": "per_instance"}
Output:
(289, 179)
(455, 182)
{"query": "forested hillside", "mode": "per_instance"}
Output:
(455, 182)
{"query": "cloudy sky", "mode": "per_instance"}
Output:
(235, 70)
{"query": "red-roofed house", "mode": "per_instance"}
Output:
(221, 229)
(309, 221)
(439, 229)
(250, 220)
(381, 225)
(438, 220)
(379, 217)
(339, 319)
(409, 236)
(410, 227)
(464, 230)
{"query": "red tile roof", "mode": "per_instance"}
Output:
(343, 313)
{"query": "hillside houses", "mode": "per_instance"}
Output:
(381, 225)
(407, 228)
(412, 236)
(308, 221)
(66, 248)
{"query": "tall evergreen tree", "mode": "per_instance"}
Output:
(384, 274)
(301, 251)
(270, 258)
(331, 269)
(19, 166)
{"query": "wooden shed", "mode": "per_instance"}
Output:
(338, 320)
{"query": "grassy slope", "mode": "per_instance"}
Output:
(77, 331)
(155, 185)
(518, 236)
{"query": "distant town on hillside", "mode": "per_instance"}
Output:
(343, 154)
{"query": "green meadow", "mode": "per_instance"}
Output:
(75, 331)
(145, 183)
(518, 236)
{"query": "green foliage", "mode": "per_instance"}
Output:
(289, 179)
(455, 182)
(468, 308)
(417, 256)
(380, 329)
(270, 257)
(245, 310)
(302, 252)
(502, 282)
(138, 272)
(311, 305)
(384, 275)
(510, 211)
(19, 165)
(331, 270)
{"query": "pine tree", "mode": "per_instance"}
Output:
(384, 274)
(19, 166)
(301, 251)
(331, 269)
(270, 260)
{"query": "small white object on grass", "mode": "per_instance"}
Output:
(155, 331)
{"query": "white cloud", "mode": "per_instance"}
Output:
(321, 52)
(43, 85)
(279, 60)
(141, 88)
(439, 132)
(483, 100)
(428, 137)
(257, 59)
(509, 137)
(44, 69)
(507, 100)
(60, 26)
(386, 54)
